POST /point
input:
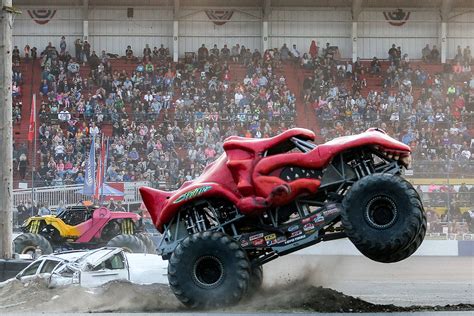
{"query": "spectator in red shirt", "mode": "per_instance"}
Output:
(457, 70)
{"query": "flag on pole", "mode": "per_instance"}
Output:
(89, 181)
(31, 129)
(104, 166)
(100, 171)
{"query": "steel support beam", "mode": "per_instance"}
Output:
(266, 11)
(85, 20)
(175, 40)
(445, 11)
(176, 30)
(265, 38)
(356, 9)
(444, 42)
(354, 37)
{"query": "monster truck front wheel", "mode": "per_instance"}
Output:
(383, 216)
(208, 269)
(407, 251)
(27, 243)
(129, 243)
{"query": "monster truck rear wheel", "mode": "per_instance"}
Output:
(149, 244)
(27, 243)
(129, 243)
(382, 216)
(208, 269)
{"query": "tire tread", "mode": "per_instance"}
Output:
(382, 250)
(182, 291)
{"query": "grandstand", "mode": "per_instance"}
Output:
(146, 74)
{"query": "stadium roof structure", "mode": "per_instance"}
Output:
(452, 4)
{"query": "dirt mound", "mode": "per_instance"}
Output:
(302, 297)
(17, 295)
(113, 296)
(127, 297)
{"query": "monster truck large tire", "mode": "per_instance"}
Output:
(256, 281)
(129, 243)
(149, 244)
(383, 216)
(27, 243)
(208, 269)
(408, 251)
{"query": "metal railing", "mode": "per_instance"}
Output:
(152, 117)
(454, 169)
(447, 205)
(449, 236)
(68, 194)
(51, 195)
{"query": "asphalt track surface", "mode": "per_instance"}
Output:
(425, 281)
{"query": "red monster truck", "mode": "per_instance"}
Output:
(264, 198)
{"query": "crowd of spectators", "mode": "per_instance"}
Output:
(167, 120)
(431, 112)
(17, 83)
(20, 160)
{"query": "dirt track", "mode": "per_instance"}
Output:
(292, 283)
(415, 281)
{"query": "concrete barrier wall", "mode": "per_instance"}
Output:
(466, 248)
(10, 268)
(444, 248)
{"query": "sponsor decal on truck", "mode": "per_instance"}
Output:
(292, 240)
(270, 237)
(256, 236)
(258, 242)
(192, 194)
(308, 227)
(293, 228)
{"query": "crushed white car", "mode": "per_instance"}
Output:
(96, 267)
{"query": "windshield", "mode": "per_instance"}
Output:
(31, 269)
(75, 216)
(49, 266)
(116, 262)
